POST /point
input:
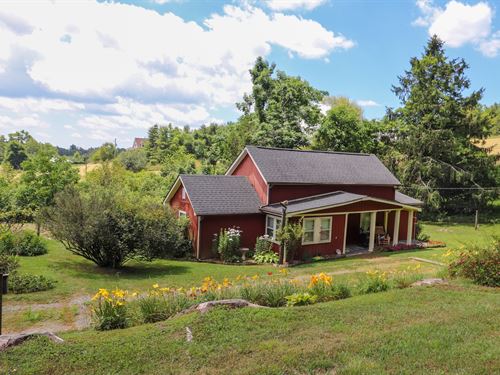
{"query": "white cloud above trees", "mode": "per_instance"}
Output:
(459, 24)
(282, 5)
(133, 66)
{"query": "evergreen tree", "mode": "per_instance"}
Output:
(438, 124)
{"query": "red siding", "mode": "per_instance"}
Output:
(337, 242)
(252, 226)
(247, 168)
(177, 203)
(279, 193)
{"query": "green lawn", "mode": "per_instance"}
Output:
(426, 330)
(77, 276)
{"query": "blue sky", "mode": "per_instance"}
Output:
(89, 72)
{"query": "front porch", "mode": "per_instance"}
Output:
(343, 223)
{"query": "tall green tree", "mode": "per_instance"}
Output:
(15, 154)
(104, 153)
(343, 128)
(438, 123)
(284, 108)
(45, 174)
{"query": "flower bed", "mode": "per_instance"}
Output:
(119, 309)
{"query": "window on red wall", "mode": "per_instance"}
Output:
(183, 194)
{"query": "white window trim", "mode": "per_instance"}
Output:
(317, 231)
(182, 213)
(183, 193)
(275, 227)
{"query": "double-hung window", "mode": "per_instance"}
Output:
(317, 230)
(272, 225)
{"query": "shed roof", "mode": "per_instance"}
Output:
(220, 195)
(286, 166)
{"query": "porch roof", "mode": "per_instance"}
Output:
(329, 200)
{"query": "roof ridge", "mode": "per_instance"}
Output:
(311, 151)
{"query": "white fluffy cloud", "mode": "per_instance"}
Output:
(459, 24)
(281, 5)
(367, 103)
(133, 66)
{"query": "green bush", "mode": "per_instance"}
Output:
(301, 299)
(323, 287)
(24, 243)
(25, 283)
(264, 251)
(8, 263)
(480, 264)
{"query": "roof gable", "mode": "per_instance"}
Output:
(285, 166)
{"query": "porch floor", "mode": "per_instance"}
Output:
(355, 250)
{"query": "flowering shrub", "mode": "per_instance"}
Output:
(162, 303)
(229, 244)
(109, 309)
(301, 299)
(270, 293)
(375, 282)
(322, 286)
(480, 264)
(402, 246)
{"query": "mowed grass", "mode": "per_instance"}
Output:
(425, 330)
(76, 276)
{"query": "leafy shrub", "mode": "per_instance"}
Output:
(8, 263)
(264, 251)
(375, 282)
(24, 243)
(27, 243)
(301, 299)
(109, 310)
(110, 228)
(480, 264)
(420, 234)
(291, 235)
(229, 244)
(134, 160)
(25, 283)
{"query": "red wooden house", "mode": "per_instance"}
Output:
(346, 201)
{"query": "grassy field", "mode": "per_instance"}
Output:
(427, 330)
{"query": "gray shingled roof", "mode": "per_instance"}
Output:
(314, 202)
(320, 167)
(405, 199)
(221, 195)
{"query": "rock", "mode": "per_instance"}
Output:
(12, 340)
(428, 282)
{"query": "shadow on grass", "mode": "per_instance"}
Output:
(134, 271)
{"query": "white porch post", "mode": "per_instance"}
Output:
(395, 237)
(345, 232)
(386, 220)
(373, 220)
(409, 232)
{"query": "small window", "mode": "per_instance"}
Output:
(183, 193)
(317, 230)
(272, 225)
(182, 213)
